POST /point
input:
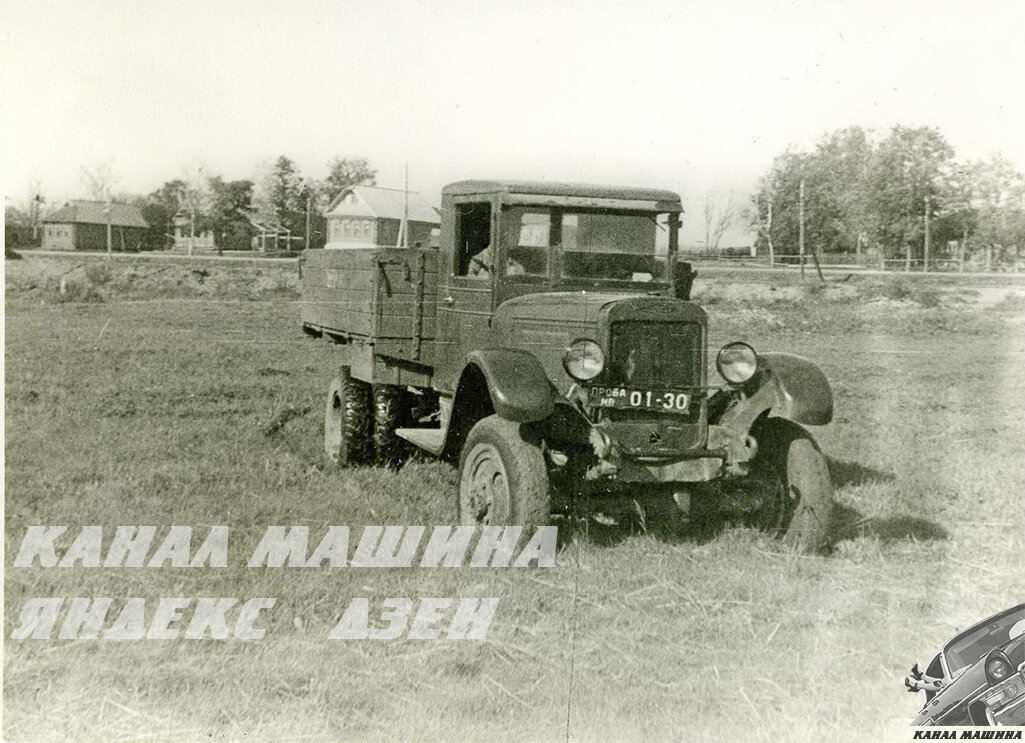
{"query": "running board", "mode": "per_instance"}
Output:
(431, 439)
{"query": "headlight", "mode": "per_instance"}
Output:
(736, 362)
(998, 667)
(583, 360)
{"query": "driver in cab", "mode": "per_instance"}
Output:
(482, 265)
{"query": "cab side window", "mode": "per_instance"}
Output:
(473, 240)
(527, 250)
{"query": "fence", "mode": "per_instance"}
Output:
(943, 264)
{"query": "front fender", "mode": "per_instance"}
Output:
(790, 386)
(802, 392)
(519, 388)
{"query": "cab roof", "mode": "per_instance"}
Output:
(548, 188)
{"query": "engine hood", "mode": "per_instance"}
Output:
(546, 324)
(586, 308)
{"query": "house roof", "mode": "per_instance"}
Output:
(95, 212)
(386, 203)
(546, 188)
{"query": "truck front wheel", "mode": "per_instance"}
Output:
(795, 477)
(348, 421)
(503, 479)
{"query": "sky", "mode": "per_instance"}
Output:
(697, 96)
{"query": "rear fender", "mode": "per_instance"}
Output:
(790, 386)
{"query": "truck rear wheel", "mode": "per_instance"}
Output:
(392, 405)
(799, 502)
(348, 421)
(503, 479)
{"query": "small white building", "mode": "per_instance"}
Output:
(368, 216)
(184, 239)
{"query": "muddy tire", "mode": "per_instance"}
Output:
(392, 406)
(348, 421)
(799, 506)
(503, 479)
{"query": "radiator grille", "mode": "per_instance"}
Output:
(655, 354)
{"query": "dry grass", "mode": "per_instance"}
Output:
(179, 411)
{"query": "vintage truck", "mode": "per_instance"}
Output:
(549, 346)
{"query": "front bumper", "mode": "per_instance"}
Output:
(724, 453)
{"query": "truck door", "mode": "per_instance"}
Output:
(466, 284)
(527, 234)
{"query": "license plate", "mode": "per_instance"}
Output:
(625, 397)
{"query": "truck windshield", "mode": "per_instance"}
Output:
(591, 244)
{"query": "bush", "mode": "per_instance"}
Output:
(896, 289)
(98, 273)
(79, 291)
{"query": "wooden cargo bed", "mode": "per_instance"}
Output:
(383, 296)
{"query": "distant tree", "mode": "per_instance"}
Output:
(958, 219)
(998, 203)
(841, 165)
(230, 204)
(859, 191)
(836, 209)
(907, 167)
(346, 172)
(280, 197)
(159, 209)
(196, 199)
(100, 181)
(780, 187)
(17, 227)
(718, 214)
(15, 217)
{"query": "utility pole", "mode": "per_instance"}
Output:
(110, 239)
(402, 239)
(964, 245)
(309, 203)
(37, 201)
(800, 217)
(925, 266)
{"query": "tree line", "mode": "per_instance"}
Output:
(280, 197)
(895, 197)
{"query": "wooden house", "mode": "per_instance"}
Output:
(82, 225)
(368, 216)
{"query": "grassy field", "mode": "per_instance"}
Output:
(171, 398)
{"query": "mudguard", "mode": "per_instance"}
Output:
(519, 388)
(802, 391)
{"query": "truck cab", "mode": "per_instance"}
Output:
(551, 339)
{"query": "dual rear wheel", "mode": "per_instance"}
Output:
(360, 421)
